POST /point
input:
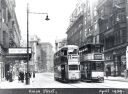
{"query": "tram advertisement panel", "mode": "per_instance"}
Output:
(98, 56)
(93, 56)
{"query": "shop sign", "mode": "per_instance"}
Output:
(98, 56)
(88, 57)
(19, 50)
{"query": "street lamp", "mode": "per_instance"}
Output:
(47, 18)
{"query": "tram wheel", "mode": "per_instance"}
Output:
(101, 80)
(55, 78)
(64, 80)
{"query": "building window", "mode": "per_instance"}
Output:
(9, 16)
(95, 12)
(95, 26)
(124, 36)
(80, 25)
(96, 39)
(121, 38)
(4, 15)
(109, 42)
(80, 33)
(75, 30)
(117, 38)
(4, 37)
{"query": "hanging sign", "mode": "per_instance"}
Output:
(127, 58)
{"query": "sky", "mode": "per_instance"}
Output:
(58, 11)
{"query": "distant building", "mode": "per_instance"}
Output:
(36, 53)
(60, 43)
(47, 56)
(42, 55)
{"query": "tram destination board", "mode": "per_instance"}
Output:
(98, 56)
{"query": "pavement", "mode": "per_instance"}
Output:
(16, 84)
(4, 84)
(122, 79)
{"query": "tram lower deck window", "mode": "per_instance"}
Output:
(73, 67)
(97, 66)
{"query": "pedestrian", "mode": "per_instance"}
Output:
(26, 75)
(10, 76)
(33, 74)
(29, 74)
(22, 77)
(7, 75)
(107, 72)
(19, 76)
(125, 73)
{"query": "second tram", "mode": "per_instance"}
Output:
(66, 64)
(92, 62)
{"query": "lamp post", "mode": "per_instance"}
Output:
(27, 75)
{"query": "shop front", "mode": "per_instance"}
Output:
(1, 71)
(109, 64)
(115, 62)
(119, 58)
(2, 63)
(123, 65)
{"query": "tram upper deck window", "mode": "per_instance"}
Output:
(64, 52)
(73, 67)
(99, 48)
(91, 48)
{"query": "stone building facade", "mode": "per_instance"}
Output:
(60, 43)
(83, 26)
(9, 34)
(36, 54)
(113, 25)
(47, 56)
(105, 22)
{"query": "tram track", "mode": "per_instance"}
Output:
(79, 84)
(76, 84)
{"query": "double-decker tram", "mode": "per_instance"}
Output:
(66, 64)
(92, 62)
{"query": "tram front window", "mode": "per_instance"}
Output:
(73, 67)
(97, 66)
(73, 51)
